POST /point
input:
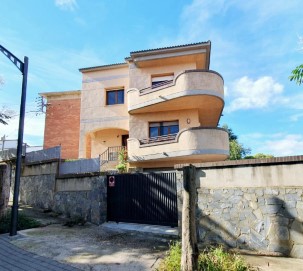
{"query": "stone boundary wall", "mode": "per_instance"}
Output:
(90, 204)
(73, 196)
(253, 204)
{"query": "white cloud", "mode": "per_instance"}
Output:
(291, 144)
(66, 4)
(296, 117)
(250, 94)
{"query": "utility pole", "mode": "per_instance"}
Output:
(23, 68)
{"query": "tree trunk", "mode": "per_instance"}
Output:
(5, 171)
(190, 251)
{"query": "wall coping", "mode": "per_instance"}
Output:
(297, 159)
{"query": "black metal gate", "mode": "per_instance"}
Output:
(148, 198)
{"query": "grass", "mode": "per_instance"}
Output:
(213, 259)
(24, 222)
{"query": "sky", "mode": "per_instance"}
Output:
(255, 46)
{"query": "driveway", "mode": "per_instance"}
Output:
(94, 248)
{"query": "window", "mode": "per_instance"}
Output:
(161, 80)
(163, 128)
(115, 96)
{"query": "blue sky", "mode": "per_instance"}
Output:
(255, 45)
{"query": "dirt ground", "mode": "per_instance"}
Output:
(97, 248)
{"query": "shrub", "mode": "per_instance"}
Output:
(24, 222)
(214, 259)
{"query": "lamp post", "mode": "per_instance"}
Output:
(23, 68)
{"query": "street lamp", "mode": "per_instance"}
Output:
(23, 68)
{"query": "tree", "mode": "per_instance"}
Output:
(5, 114)
(297, 73)
(236, 149)
(259, 156)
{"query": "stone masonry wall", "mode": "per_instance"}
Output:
(90, 205)
(263, 219)
(38, 190)
(73, 196)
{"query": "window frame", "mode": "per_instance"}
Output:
(115, 90)
(153, 76)
(160, 126)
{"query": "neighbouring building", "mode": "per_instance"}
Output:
(163, 105)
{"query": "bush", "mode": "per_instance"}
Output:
(214, 259)
(24, 222)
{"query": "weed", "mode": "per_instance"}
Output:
(213, 259)
(24, 222)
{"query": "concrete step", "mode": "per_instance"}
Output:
(155, 230)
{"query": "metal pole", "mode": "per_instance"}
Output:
(14, 217)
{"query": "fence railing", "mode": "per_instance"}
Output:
(111, 154)
(157, 139)
(163, 83)
(80, 166)
(43, 155)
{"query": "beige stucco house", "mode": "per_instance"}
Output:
(163, 105)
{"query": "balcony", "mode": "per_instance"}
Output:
(190, 145)
(201, 89)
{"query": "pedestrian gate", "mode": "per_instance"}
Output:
(146, 198)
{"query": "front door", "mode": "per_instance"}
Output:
(124, 140)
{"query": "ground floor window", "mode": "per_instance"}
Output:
(163, 128)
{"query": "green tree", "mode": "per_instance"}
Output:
(236, 149)
(259, 156)
(297, 75)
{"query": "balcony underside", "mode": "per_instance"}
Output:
(191, 145)
(209, 107)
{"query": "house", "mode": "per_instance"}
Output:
(163, 105)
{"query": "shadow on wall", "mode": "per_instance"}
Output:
(262, 219)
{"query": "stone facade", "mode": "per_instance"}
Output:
(75, 196)
(90, 204)
(263, 219)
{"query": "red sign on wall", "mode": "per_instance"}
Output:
(111, 181)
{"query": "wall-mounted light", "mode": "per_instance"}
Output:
(188, 121)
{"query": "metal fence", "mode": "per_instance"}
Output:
(80, 166)
(43, 155)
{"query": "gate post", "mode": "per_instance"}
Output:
(190, 251)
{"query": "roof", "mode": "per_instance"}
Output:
(58, 93)
(114, 65)
(172, 47)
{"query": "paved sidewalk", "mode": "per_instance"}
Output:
(17, 259)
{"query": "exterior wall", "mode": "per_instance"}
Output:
(5, 179)
(74, 196)
(95, 114)
(82, 197)
(251, 204)
(141, 77)
(37, 185)
(62, 124)
(106, 138)
(191, 145)
(139, 123)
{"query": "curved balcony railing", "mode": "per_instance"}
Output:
(192, 143)
(187, 83)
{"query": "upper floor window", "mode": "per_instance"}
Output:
(162, 79)
(115, 96)
(163, 128)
